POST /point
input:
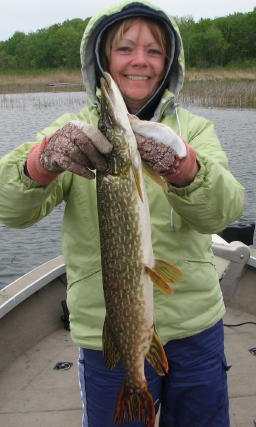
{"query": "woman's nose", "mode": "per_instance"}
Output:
(139, 57)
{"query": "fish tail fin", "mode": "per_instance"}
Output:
(156, 356)
(135, 404)
(110, 351)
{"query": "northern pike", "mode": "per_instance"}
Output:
(128, 265)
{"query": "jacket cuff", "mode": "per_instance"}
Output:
(35, 168)
(186, 171)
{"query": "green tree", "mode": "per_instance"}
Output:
(186, 25)
(207, 48)
(7, 62)
(221, 41)
(239, 31)
(11, 46)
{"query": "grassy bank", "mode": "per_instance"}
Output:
(221, 74)
(40, 81)
(40, 76)
(212, 87)
(74, 76)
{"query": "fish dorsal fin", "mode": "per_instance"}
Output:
(154, 175)
(164, 273)
(110, 351)
(156, 356)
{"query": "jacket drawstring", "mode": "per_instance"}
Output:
(178, 121)
(180, 133)
(171, 220)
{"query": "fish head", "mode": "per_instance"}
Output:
(115, 125)
(114, 112)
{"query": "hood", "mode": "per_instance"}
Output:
(90, 58)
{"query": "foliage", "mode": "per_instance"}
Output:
(221, 41)
(53, 47)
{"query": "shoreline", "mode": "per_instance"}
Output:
(75, 76)
(211, 87)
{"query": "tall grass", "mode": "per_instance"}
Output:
(39, 101)
(220, 93)
(207, 87)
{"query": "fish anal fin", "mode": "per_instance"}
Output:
(156, 356)
(135, 404)
(168, 271)
(110, 351)
(154, 175)
(158, 280)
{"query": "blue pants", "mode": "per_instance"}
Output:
(192, 394)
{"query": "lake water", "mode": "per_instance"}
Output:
(23, 115)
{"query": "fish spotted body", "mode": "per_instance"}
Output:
(128, 265)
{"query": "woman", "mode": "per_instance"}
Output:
(141, 47)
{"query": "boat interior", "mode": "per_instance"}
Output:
(38, 361)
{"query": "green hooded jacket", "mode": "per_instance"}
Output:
(183, 219)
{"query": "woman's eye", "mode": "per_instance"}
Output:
(124, 49)
(154, 52)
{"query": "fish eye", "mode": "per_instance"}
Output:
(102, 126)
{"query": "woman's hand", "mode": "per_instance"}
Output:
(165, 151)
(77, 147)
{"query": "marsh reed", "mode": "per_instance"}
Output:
(209, 88)
(43, 100)
(219, 93)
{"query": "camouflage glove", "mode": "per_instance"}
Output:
(165, 151)
(77, 147)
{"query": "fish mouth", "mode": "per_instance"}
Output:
(106, 83)
(114, 102)
(110, 91)
(107, 89)
(106, 79)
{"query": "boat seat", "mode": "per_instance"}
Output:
(230, 259)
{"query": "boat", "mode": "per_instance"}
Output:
(38, 372)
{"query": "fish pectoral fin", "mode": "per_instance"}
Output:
(137, 178)
(168, 271)
(154, 175)
(158, 280)
(156, 356)
(164, 273)
(110, 351)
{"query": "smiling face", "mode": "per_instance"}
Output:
(137, 63)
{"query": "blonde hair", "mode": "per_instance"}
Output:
(116, 33)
